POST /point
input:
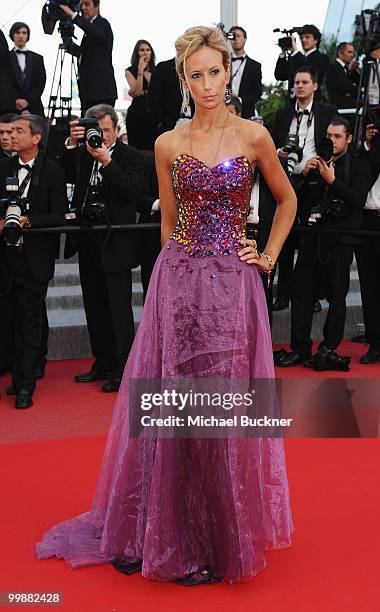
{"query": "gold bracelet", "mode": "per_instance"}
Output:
(270, 261)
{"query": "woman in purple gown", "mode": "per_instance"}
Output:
(196, 510)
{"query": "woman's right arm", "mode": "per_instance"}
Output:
(168, 206)
(136, 86)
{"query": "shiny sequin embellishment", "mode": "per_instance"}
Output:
(213, 205)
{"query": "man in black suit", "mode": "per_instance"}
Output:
(7, 125)
(148, 207)
(245, 81)
(309, 120)
(164, 96)
(368, 253)
(286, 67)
(96, 74)
(6, 104)
(342, 78)
(343, 193)
(115, 172)
(28, 75)
(25, 270)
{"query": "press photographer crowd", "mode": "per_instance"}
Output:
(327, 139)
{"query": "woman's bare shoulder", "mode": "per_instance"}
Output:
(167, 145)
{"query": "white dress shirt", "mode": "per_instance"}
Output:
(373, 85)
(306, 137)
(21, 58)
(22, 173)
(237, 70)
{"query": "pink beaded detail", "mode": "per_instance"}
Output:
(213, 204)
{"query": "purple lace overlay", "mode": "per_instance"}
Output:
(183, 504)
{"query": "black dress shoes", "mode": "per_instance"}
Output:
(281, 302)
(112, 385)
(362, 338)
(23, 399)
(292, 359)
(371, 356)
(278, 355)
(91, 376)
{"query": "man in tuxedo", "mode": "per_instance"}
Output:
(115, 173)
(6, 104)
(164, 96)
(96, 74)
(286, 67)
(148, 206)
(245, 81)
(368, 253)
(309, 120)
(328, 257)
(342, 78)
(25, 270)
(28, 75)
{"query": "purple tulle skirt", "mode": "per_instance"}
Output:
(183, 504)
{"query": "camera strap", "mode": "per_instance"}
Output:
(299, 116)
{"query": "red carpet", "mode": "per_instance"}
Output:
(332, 565)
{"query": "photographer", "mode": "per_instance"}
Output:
(368, 253)
(305, 122)
(245, 81)
(108, 181)
(328, 257)
(25, 270)
(96, 75)
(286, 67)
(343, 77)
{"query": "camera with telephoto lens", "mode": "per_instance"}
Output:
(12, 208)
(316, 185)
(94, 133)
(286, 42)
(93, 211)
(292, 147)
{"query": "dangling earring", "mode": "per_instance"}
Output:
(185, 101)
(227, 96)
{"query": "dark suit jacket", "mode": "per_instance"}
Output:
(120, 187)
(250, 89)
(149, 240)
(342, 87)
(353, 192)
(48, 206)
(323, 113)
(6, 104)
(96, 75)
(285, 68)
(32, 86)
(164, 96)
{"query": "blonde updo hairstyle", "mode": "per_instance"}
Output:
(195, 38)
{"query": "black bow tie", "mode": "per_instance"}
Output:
(24, 167)
(300, 113)
(20, 51)
(236, 59)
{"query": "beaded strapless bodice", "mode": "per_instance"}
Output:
(213, 204)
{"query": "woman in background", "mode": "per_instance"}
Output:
(140, 129)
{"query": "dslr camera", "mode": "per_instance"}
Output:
(52, 13)
(94, 133)
(12, 208)
(316, 185)
(292, 147)
(93, 211)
